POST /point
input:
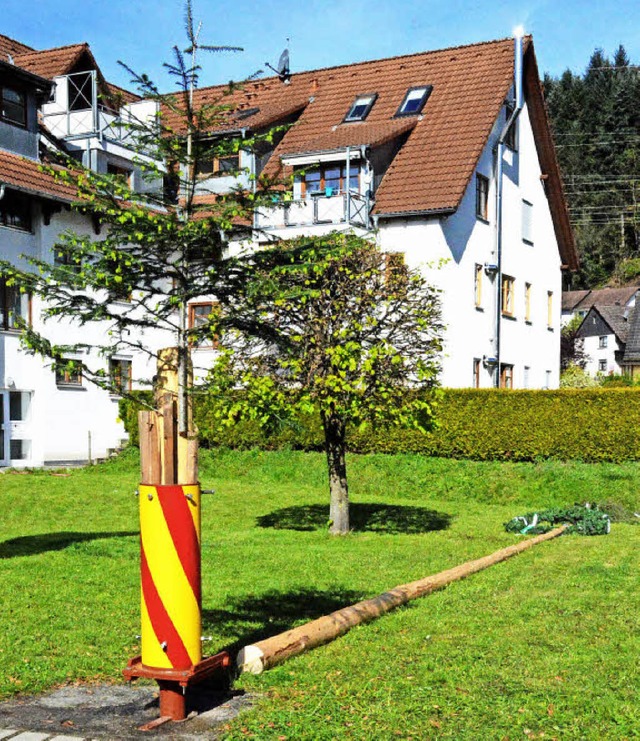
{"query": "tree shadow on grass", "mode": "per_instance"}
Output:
(251, 618)
(31, 545)
(363, 517)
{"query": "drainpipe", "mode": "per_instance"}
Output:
(348, 179)
(519, 103)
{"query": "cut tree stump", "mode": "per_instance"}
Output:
(255, 658)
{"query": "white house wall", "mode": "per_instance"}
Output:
(63, 422)
(458, 242)
(602, 360)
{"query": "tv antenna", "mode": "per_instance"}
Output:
(283, 70)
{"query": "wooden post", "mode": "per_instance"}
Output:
(149, 447)
(271, 651)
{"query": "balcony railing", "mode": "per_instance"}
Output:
(78, 112)
(316, 208)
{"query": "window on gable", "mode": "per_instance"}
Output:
(330, 178)
(510, 139)
(508, 295)
(15, 211)
(527, 302)
(476, 372)
(122, 173)
(217, 167)
(414, 100)
(527, 222)
(603, 341)
(360, 108)
(80, 91)
(506, 376)
(477, 285)
(15, 307)
(199, 317)
(549, 309)
(13, 106)
(482, 197)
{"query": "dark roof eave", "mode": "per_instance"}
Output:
(38, 193)
(40, 83)
(446, 211)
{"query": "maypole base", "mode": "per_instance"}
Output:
(173, 683)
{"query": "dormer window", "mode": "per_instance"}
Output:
(360, 108)
(414, 100)
(13, 106)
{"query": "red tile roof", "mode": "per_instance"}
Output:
(585, 299)
(120, 94)
(11, 47)
(51, 63)
(435, 164)
(25, 175)
(350, 135)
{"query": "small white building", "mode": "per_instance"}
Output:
(610, 340)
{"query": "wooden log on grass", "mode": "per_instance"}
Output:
(271, 651)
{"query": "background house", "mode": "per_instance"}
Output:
(55, 100)
(578, 303)
(604, 333)
(447, 162)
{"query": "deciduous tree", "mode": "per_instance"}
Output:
(330, 325)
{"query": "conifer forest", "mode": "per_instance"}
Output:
(595, 119)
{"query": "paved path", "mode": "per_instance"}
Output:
(13, 735)
(96, 713)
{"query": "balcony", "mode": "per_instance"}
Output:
(79, 113)
(317, 208)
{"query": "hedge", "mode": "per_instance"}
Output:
(590, 425)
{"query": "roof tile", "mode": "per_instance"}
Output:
(26, 175)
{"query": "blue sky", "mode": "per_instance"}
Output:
(322, 33)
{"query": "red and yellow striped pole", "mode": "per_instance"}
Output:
(170, 576)
(170, 556)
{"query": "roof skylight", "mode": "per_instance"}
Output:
(360, 107)
(414, 100)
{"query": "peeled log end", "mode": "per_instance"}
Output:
(250, 660)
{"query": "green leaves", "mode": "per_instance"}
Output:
(320, 318)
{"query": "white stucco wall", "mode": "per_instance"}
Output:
(595, 354)
(459, 242)
(61, 419)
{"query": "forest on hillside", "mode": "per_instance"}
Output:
(595, 119)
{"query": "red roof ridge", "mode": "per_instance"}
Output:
(365, 62)
(53, 48)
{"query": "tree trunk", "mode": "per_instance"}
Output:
(335, 445)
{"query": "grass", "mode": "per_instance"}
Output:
(542, 646)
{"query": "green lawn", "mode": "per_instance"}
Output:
(545, 645)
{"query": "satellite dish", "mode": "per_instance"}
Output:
(283, 70)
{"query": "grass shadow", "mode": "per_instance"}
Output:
(31, 545)
(363, 517)
(254, 617)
